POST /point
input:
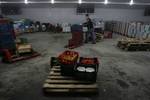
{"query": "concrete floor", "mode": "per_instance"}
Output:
(122, 75)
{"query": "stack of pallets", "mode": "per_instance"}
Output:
(132, 44)
(99, 37)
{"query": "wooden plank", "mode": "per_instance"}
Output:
(71, 90)
(52, 73)
(55, 69)
(58, 67)
(59, 77)
(66, 81)
(70, 86)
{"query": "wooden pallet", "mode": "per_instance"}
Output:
(138, 47)
(134, 45)
(21, 57)
(58, 84)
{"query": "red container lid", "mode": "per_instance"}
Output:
(2, 21)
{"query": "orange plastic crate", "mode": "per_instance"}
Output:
(68, 57)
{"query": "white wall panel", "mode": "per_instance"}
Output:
(55, 15)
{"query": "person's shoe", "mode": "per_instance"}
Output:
(93, 42)
(85, 42)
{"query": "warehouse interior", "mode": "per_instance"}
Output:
(37, 37)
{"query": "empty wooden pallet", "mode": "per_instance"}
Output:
(58, 84)
(138, 47)
(134, 45)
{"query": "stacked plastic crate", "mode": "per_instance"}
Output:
(7, 36)
(86, 69)
(68, 61)
(77, 36)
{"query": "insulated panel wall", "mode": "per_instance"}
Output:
(60, 15)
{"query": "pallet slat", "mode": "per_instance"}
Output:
(55, 69)
(69, 90)
(70, 86)
(59, 77)
(65, 81)
(54, 73)
(134, 45)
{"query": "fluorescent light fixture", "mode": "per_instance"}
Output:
(106, 2)
(131, 2)
(79, 1)
(52, 1)
(26, 1)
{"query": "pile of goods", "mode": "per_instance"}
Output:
(68, 76)
(133, 29)
(22, 46)
(54, 61)
(66, 28)
(13, 49)
(88, 61)
(77, 37)
(37, 26)
(85, 70)
(68, 60)
(7, 35)
(99, 37)
(108, 34)
(68, 57)
(23, 50)
(18, 27)
(23, 26)
(28, 26)
(132, 44)
(58, 28)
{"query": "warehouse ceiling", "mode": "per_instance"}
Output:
(139, 1)
(72, 3)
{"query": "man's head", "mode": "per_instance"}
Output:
(87, 15)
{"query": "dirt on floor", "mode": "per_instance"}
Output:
(122, 75)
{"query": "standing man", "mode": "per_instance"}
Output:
(90, 32)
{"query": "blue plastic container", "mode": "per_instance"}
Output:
(5, 28)
(8, 45)
(76, 28)
(6, 37)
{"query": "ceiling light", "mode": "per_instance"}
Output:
(26, 1)
(52, 1)
(131, 2)
(80, 1)
(106, 2)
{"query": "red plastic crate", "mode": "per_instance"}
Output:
(77, 35)
(83, 74)
(68, 57)
(88, 61)
(107, 34)
(2, 21)
(76, 41)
